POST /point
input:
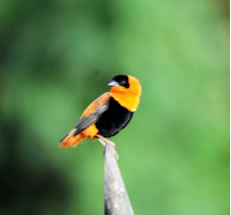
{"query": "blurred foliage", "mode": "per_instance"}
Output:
(57, 56)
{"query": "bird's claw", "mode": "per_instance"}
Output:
(104, 141)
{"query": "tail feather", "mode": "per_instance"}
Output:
(70, 140)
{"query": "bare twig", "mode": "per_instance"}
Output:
(116, 200)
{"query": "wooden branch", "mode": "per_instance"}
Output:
(116, 200)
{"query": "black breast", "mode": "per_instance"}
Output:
(113, 119)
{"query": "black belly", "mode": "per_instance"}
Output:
(113, 119)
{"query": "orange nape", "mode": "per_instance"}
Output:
(73, 141)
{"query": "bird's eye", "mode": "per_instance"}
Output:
(123, 83)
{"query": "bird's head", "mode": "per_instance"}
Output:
(126, 90)
(125, 84)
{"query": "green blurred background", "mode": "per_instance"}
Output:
(57, 56)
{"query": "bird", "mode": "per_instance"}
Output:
(108, 114)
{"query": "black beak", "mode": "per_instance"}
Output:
(113, 83)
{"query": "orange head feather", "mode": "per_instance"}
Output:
(128, 96)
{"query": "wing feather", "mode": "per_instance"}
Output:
(99, 102)
(85, 122)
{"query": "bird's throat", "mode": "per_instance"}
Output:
(129, 101)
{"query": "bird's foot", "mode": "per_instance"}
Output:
(106, 142)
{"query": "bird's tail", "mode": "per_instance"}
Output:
(71, 140)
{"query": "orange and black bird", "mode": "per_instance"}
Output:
(109, 113)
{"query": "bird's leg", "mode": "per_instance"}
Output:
(104, 141)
